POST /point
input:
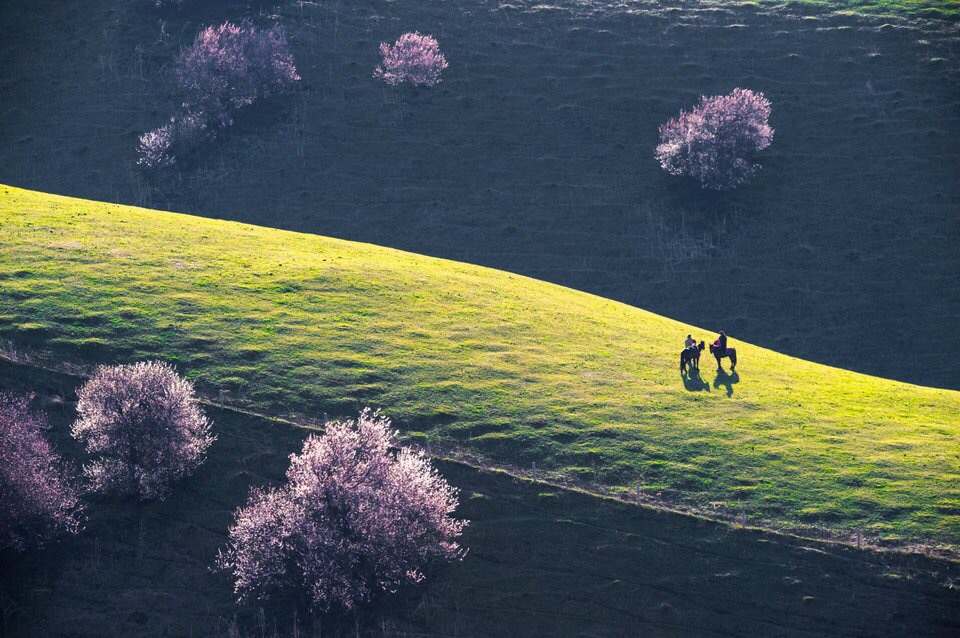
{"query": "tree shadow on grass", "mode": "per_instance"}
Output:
(693, 382)
(726, 380)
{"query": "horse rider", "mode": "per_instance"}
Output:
(689, 343)
(721, 343)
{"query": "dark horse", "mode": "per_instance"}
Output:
(731, 352)
(690, 356)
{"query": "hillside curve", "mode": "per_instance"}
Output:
(513, 369)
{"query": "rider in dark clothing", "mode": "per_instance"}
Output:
(722, 339)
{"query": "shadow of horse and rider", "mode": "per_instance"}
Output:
(690, 365)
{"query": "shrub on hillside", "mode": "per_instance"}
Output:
(716, 141)
(38, 499)
(413, 58)
(231, 66)
(144, 427)
(355, 517)
(161, 146)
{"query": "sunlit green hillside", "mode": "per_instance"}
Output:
(926, 8)
(518, 370)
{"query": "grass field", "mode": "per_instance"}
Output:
(472, 359)
(926, 8)
(535, 153)
(542, 562)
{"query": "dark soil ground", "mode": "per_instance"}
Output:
(542, 562)
(535, 153)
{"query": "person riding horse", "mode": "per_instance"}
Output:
(690, 355)
(720, 350)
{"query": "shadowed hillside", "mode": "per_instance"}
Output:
(479, 361)
(542, 562)
(535, 153)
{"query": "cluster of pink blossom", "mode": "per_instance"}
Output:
(413, 58)
(37, 497)
(716, 141)
(357, 516)
(231, 66)
(161, 146)
(143, 426)
(226, 68)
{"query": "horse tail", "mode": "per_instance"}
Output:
(733, 358)
(681, 362)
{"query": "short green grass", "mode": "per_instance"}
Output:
(541, 562)
(514, 369)
(919, 8)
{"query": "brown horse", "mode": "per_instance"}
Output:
(690, 356)
(730, 352)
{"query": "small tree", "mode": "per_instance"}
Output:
(413, 58)
(716, 141)
(37, 497)
(226, 68)
(161, 147)
(144, 427)
(356, 517)
(231, 66)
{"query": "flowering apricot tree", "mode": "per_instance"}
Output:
(38, 499)
(357, 516)
(715, 142)
(413, 58)
(231, 66)
(226, 68)
(142, 424)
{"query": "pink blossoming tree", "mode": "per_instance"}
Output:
(227, 67)
(715, 142)
(413, 58)
(38, 499)
(144, 428)
(356, 517)
(231, 66)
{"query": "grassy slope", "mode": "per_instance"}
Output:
(535, 153)
(926, 8)
(519, 370)
(541, 563)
